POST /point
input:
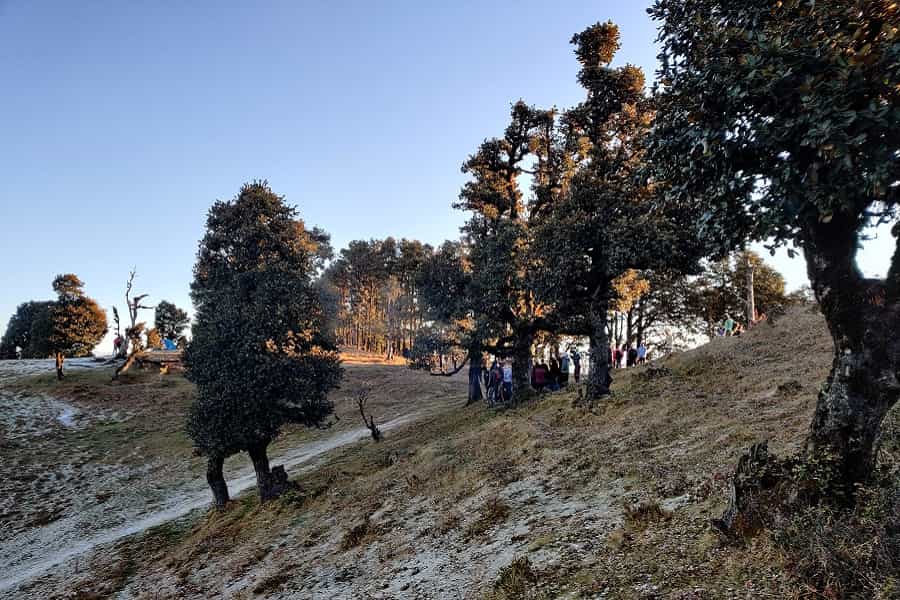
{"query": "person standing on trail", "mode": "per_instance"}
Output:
(576, 360)
(632, 356)
(728, 325)
(555, 376)
(538, 377)
(507, 381)
(641, 354)
(564, 369)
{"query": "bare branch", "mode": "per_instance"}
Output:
(362, 397)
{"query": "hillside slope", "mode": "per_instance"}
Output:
(552, 500)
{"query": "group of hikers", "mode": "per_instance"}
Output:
(498, 382)
(628, 356)
(555, 375)
(552, 375)
(732, 328)
(545, 376)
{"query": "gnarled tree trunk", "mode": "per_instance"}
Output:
(475, 394)
(270, 482)
(521, 357)
(216, 480)
(863, 316)
(599, 378)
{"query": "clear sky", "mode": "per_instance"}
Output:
(122, 122)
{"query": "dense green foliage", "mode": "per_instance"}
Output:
(170, 320)
(77, 323)
(545, 262)
(781, 120)
(29, 330)
(260, 355)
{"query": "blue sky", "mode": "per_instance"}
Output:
(122, 122)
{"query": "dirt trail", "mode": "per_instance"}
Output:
(34, 551)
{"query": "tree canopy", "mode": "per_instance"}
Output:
(29, 330)
(170, 320)
(781, 120)
(261, 356)
(77, 323)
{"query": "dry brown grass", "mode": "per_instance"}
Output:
(675, 433)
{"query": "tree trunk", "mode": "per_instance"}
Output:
(216, 480)
(641, 323)
(599, 378)
(629, 327)
(475, 394)
(270, 483)
(59, 366)
(863, 384)
(522, 362)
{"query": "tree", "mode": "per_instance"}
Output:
(170, 320)
(447, 288)
(780, 120)
(261, 356)
(627, 291)
(28, 329)
(136, 329)
(77, 321)
(721, 289)
(500, 295)
(603, 225)
(374, 295)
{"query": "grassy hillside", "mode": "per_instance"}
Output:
(552, 500)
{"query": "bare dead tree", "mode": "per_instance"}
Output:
(133, 333)
(362, 396)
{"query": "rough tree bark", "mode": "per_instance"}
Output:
(521, 356)
(270, 482)
(216, 480)
(599, 378)
(751, 300)
(475, 394)
(863, 316)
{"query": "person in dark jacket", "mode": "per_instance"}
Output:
(632, 356)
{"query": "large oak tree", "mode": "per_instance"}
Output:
(781, 120)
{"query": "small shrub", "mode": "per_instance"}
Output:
(271, 583)
(790, 388)
(503, 470)
(515, 581)
(494, 511)
(357, 534)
